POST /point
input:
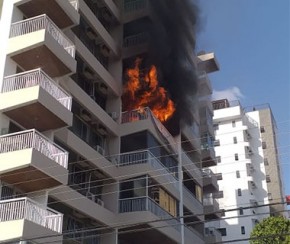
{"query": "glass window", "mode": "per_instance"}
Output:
(233, 123)
(264, 145)
(266, 163)
(262, 129)
(241, 211)
(268, 179)
(218, 159)
(243, 231)
(223, 231)
(239, 191)
(235, 140)
(236, 157)
(238, 174)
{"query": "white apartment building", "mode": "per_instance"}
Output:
(75, 167)
(243, 138)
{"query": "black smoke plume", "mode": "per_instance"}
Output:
(172, 45)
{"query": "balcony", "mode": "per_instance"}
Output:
(135, 9)
(192, 135)
(34, 100)
(22, 218)
(207, 152)
(212, 235)
(38, 42)
(211, 207)
(62, 13)
(140, 204)
(31, 161)
(145, 161)
(209, 181)
(135, 44)
(191, 202)
(207, 62)
(143, 119)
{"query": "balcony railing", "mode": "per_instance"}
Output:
(189, 194)
(33, 139)
(42, 22)
(137, 39)
(209, 200)
(34, 78)
(25, 208)
(136, 5)
(147, 204)
(142, 157)
(135, 115)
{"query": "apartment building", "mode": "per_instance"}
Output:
(248, 167)
(75, 166)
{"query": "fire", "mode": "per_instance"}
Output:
(142, 90)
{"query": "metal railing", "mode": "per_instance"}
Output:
(137, 39)
(147, 204)
(42, 22)
(25, 208)
(33, 139)
(142, 157)
(34, 78)
(211, 231)
(209, 200)
(207, 172)
(75, 4)
(136, 5)
(146, 113)
(190, 195)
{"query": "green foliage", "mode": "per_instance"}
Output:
(272, 230)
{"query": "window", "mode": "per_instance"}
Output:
(235, 140)
(216, 143)
(238, 174)
(236, 157)
(264, 145)
(218, 159)
(270, 196)
(262, 129)
(268, 179)
(241, 211)
(266, 163)
(233, 123)
(239, 192)
(223, 231)
(219, 176)
(216, 126)
(243, 231)
(219, 194)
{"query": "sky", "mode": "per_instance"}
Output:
(250, 39)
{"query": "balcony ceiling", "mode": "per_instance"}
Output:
(41, 57)
(50, 7)
(29, 179)
(35, 116)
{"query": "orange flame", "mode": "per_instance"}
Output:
(142, 90)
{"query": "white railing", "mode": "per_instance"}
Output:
(131, 6)
(146, 113)
(136, 39)
(135, 115)
(42, 22)
(142, 157)
(33, 139)
(147, 204)
(75, 4)
(25, 208)
(34, 78)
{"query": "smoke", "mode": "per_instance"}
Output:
(172, 46)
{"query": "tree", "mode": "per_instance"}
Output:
(272, 230)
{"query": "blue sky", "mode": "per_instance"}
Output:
(251, 41)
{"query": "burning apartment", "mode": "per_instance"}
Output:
(106, 124)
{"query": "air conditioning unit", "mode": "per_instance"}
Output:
(100, 150)
(85, 115)
(102, 88)
(102, 130)
(87, 72)
(114, 115)
(100, 202)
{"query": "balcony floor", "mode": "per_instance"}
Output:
(28, 179)
(42, 57)
(35, 116)
(50, 7)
